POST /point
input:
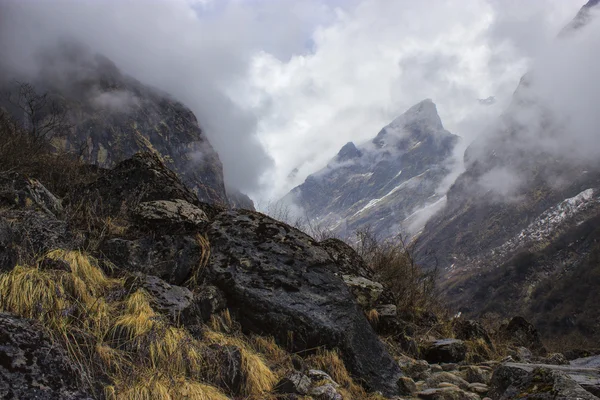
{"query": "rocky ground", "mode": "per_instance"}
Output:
(129, 287)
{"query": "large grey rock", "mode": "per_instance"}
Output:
(173, 258)
(32, 366)
(280, 283)
(444, 351)
(513, 380)
(170, 215)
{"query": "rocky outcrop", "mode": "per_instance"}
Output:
(280, 282)
(32, 366)
(142, 178)
(519, 229)
(114, 116)
(513, 381)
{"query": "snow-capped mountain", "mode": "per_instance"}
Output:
(382, 183)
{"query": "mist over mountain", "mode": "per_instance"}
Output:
(428, 172)
(384, 184)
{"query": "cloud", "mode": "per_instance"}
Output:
(377, 58)
(279, 85)
(187, 48)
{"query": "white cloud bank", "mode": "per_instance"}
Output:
(280, 84)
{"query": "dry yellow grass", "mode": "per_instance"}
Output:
(142, 355)
(373, 316)
(258, 378)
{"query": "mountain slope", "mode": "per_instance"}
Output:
(381, 183)
(519, 223)
(114, 116)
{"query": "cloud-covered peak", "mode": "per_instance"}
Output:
(348, 152)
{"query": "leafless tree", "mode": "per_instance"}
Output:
(42, 115)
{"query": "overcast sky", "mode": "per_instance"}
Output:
(283, 84)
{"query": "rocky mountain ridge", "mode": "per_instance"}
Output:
(113, 116)
(519, 222)
(381, 183)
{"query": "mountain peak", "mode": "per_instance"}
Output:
(424, 111)
(419, 121)
(348, 152)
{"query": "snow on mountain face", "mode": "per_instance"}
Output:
(381, 182)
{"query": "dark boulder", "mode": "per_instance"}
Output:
(537, 381)
(280, 282)
(466, 329)
(139, 179)
(173, 258)
(519, 332)
(444, 351)
(32, 366)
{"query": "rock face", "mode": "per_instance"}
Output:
(383, 182)
(281, 283)
(512, 381)
(32, 366)
(114, 116)
(526, 247)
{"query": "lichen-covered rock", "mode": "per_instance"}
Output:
(347, 261)
(365, 291)
(444, 351)
(34, 367)
(476, 374)
(173, 258)
(280, 282)
(37, 232)
(142, 178)
(406, 386)
(173, 216)
(416, 369)
(517, 381)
